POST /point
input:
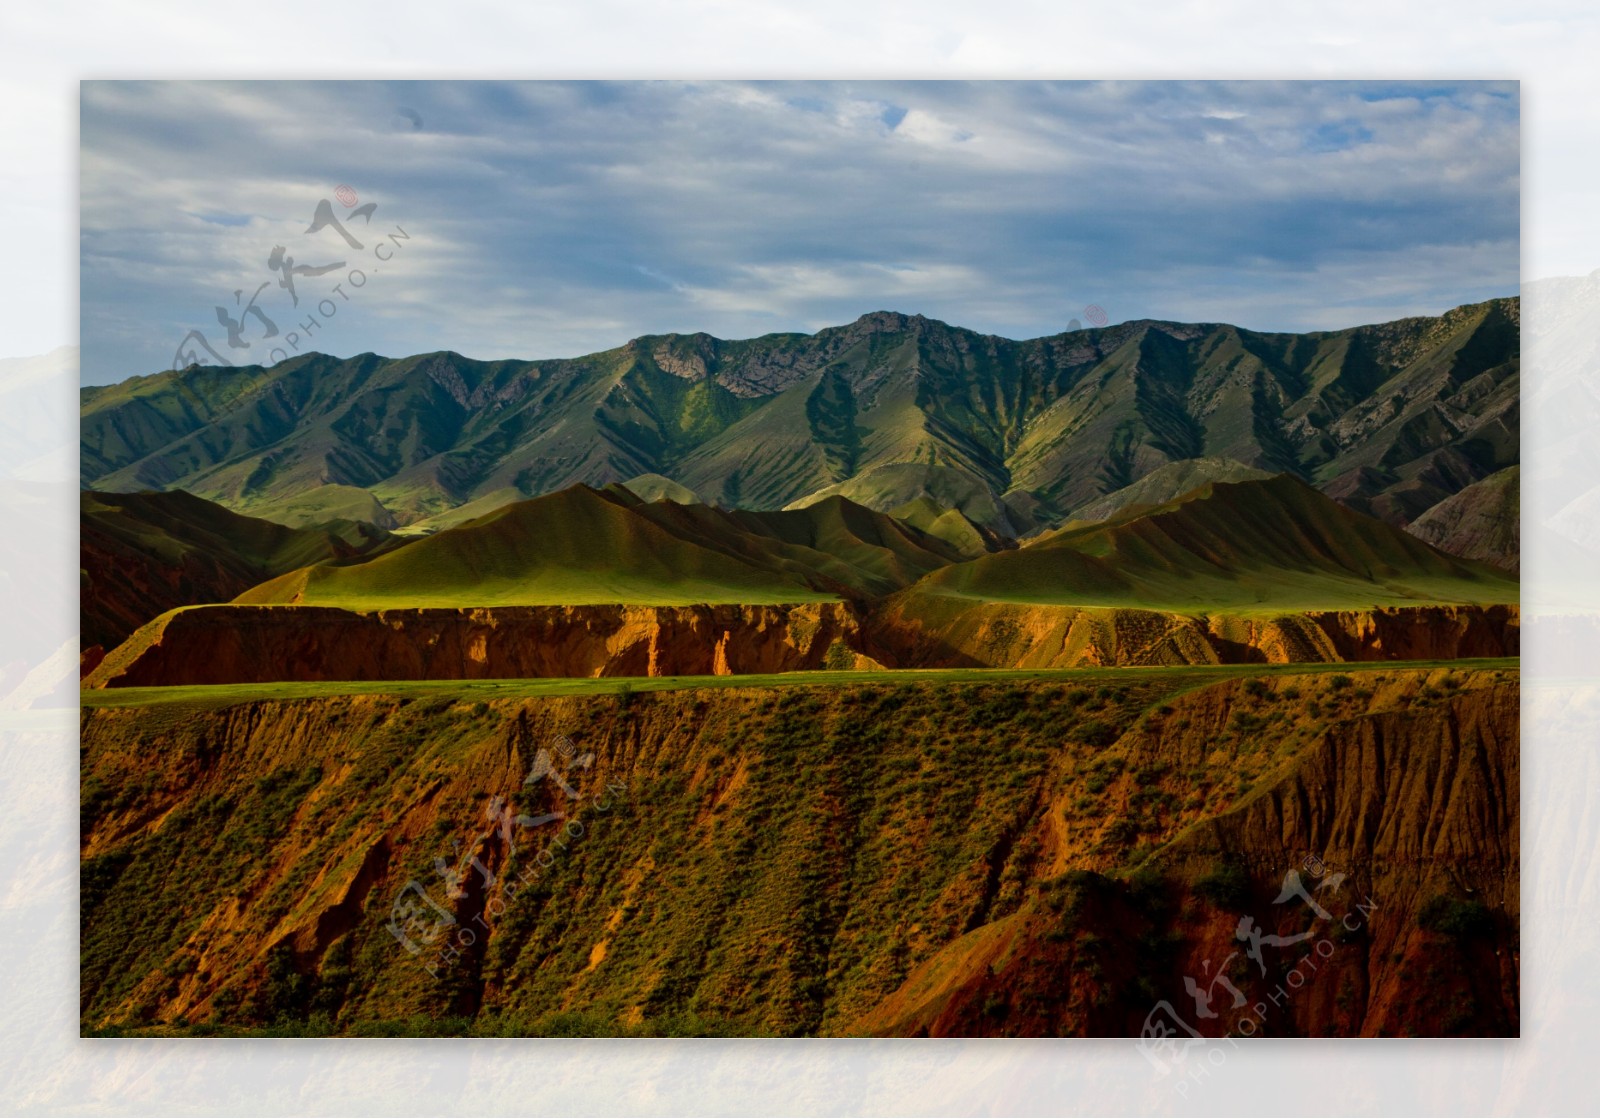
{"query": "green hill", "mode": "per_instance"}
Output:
(570, 548)
(580, 546)
(657, 487)
(1483, 522)
(1275, 544)
(904, 485)
(1167, 483)
(145, 553)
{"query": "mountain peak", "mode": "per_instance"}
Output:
(893, 322)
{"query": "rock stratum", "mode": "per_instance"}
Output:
(259, 644)
(1040, 858)
(237, 644)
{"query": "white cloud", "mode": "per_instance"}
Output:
(740, 208)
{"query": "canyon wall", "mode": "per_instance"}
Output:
(255, 644)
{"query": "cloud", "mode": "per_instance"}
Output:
(553, 219)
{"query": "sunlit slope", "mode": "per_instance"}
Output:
(581, 546)
(1274, 544)
(569, 548)
(834, 543)
(1167, 483)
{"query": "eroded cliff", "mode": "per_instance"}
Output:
(1048, 857)
(253, 644)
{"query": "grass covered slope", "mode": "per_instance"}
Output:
(1167, 483)
(142, 554)
(1274, 544)
(583, 547)
(574, 547)
(1483, 522)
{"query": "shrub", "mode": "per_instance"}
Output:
(1122, 831)
(1227, 886)
(1458, 919)
(1095, 732)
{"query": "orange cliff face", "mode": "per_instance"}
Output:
(931, 633)
(253, 644)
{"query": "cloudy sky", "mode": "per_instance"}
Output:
(553, 219)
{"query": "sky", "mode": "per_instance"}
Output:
(552, 219)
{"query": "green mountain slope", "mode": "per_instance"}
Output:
(580, 546)
(1482, 522)
(904, 485)
(1167, 483)
(1274, 544)
(1390, 418)
(145, 553)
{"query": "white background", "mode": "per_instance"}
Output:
(1552, 47)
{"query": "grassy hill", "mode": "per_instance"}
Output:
(571, 548)
(1165, 484)
(580, 546)
(1273, 544)
(145, 553)
(1390, 418)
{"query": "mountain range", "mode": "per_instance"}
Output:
(1390, 419)
(907, 681)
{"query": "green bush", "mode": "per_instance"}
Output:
(1095, 732)
(1459, 919)
(1227, 887)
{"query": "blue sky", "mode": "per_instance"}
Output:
(537, 219)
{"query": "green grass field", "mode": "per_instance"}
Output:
(216, 695)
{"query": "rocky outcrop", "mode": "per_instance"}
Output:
(239, 644)
(236, 644)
